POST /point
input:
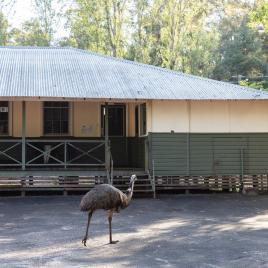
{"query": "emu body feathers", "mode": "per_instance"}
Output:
(107, 197)
(103, 196)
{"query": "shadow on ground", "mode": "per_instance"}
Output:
(173, 231)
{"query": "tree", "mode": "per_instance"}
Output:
(207, 37)
(174, 34)
(47, 17)
(3, 30)
(258, 85)
(240, 50)
(138, 45)
(199, 54)
(259, 17)
(241, 53)
(5, 7)
(259, 22)
(97, 25)
(31, 34)
(84, 21)
(115, 18)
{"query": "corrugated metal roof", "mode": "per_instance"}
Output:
(74, 73)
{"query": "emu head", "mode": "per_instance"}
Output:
(129, 191)
(133, 178)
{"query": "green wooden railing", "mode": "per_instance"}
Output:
(48, 153)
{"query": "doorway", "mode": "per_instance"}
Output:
(116, 120)
(116, 132)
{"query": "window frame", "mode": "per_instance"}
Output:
(8, 120)
(140, 121)
(69, 120)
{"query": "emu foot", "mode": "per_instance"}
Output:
(114, 242)
(84, 242)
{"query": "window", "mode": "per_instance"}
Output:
(3, 117)
(56, 118)
(140, 120)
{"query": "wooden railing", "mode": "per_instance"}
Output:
(11, 153)
(49, 153)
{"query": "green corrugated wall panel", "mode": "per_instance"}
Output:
(169, 153)
(209, 154)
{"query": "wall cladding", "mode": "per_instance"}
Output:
(209, 154)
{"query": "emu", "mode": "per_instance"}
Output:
(107, 197)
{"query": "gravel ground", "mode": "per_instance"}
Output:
(213, 230)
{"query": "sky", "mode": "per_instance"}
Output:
(23, 10)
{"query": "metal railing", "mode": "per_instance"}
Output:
(48, 153)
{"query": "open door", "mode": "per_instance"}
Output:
(117, 133)
(116, 121)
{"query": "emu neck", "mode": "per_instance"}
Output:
(129, 193)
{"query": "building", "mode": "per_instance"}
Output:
(68, 112)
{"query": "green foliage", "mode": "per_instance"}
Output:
(240, 52)
(46, 16)
(259, 22)
(259, 17)
(67, 42)
(97, 25)
(257, 85)
(31, 34)
(174, 34)
(3, 30)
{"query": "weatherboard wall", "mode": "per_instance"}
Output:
(208, 116)
(84, 119)
(162, 116)
(34, 119)
(209, 153)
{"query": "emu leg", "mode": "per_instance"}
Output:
(110, 217)
(84, 241)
